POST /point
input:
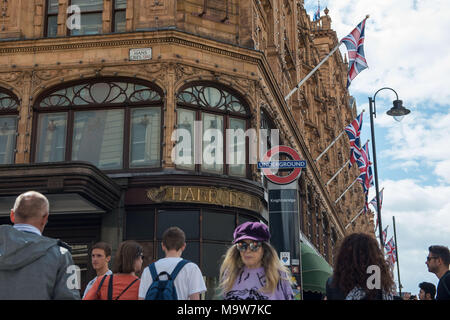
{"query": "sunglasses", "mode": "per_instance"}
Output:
(254, 246)
(429, 258)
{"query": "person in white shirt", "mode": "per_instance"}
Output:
(100, 257)
(189, 283)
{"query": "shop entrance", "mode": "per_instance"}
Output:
(80, 231)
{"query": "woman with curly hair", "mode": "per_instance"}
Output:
(251, 269)
(351, 273)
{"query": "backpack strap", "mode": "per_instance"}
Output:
(126, 288)
(153, 272)
(178, 267)
(110, 287)
(100, 285)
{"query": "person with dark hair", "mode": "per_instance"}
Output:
(123, 284)
(32, 266)
(438, 261)
(100, 257)
(358, 257)
(427, 291)
(189, 283)
(251, 269)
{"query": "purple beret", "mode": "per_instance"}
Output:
(251, 230)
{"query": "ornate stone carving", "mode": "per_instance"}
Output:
(10, 76)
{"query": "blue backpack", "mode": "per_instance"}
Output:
(164, 289)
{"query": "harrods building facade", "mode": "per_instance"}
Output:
(87, 117)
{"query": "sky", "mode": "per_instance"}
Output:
(407, 48)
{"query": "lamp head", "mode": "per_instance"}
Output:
(398, 111)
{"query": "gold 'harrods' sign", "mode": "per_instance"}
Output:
(207, 195)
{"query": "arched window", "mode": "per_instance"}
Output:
(9, 105)
(216, 119)
(113, 123)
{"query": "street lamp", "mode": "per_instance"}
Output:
(398, 112)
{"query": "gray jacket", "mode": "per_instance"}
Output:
(34, 267)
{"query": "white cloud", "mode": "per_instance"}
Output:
(422, 139)
(443, 170)
(406, 45)
(422, 219)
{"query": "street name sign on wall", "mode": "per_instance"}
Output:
(140, 54)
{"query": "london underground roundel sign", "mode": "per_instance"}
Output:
(296, 163)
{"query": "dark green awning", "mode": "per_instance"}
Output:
(315, 270)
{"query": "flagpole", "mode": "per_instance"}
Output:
(345, 164)
(348, 188)
(374, 154)
(396, 256)
(329, 146)
(354, 218)
(376, 209)
(332, 142)
(314, 70)
(311, 73)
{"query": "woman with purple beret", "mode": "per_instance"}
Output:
(251, 269)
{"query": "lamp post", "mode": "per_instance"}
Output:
(398, 112)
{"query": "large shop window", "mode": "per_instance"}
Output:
(9, 104)
(217, 225)
(113, 124)
(211, 123)
(188, 221)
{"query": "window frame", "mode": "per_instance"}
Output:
(68, 31)
(113, 18)
(200, 110)
(46, 18)
(11, 112)
(126, 106)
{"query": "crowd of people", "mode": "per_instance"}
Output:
(35, 267)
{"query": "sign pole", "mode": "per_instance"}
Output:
(396, 256)
(283, 200)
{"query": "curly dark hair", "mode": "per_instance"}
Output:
(356, 253)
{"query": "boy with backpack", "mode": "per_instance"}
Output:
(172, 277)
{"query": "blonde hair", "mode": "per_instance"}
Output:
(232, 266)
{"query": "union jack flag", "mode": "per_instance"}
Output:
(373, 202)
(384, 233)
(366, 204)
(391, 261)
(354, 42)
(353, 131)
(317, 14)
(391, 250)
(365, 169)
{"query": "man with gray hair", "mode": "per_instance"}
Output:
(34, 267)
